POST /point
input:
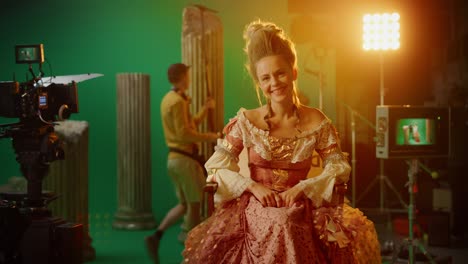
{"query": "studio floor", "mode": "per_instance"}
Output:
(117, 246)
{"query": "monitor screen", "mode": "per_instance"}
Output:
(415, 132)
(412, 131)
(42, 101)
(30, 53)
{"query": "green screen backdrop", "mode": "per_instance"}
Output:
(111, 37)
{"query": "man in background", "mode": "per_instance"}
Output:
(184, 168)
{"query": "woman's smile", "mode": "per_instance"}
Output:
(278, 90)
(275, 77)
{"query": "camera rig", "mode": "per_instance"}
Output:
(29, 233)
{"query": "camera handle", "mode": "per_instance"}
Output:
(34, 153)
(36, 79)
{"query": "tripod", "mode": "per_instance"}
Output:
(411, 242)
(381, 178)
(383, 181)
(36, 235)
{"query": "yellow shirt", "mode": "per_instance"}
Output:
(180, 128)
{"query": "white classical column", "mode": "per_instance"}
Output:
(202, 49)
(133, 152)
(69, 179)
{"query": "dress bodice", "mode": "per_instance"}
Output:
(279, 173)
(277, 163)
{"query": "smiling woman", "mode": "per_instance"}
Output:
(278, 215)
(276, 77)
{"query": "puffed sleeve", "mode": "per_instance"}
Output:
(223, 168)
(336, 167)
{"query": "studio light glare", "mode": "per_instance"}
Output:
(381, 31)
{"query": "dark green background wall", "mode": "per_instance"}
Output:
(111, 37)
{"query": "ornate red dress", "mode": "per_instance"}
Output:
(313, 230)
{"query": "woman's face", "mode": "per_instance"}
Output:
(276, 78)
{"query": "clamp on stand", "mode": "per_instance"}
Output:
(411, 242)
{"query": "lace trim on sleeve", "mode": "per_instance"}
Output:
(327, 137)
(223, 166)
(227, 150)
(237, 185)
(331, 153)
(251, 135)
(334, 157)
(336, 167)
(233, 142)
(321, 187)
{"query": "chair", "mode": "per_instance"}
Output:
(208, 205)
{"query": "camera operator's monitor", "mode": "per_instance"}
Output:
(42, 98)
(29, 53)
(412, 132)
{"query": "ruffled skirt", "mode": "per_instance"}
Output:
(243, 231)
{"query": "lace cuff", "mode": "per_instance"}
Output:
(330, 154)
(320, 188)
(223, 169)
(231, 185)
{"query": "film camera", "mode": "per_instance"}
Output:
(28, 231)
(38, 99)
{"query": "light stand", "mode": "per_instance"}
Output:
(353, 115)
(382, 88)
(319, 53)
(382, 179)
(381, 33)
(411, 242)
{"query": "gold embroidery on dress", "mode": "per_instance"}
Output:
(282, 149)
(280, 179)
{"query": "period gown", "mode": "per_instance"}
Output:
(313, 230)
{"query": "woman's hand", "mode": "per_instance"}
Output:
(291, 196)
(265, 196)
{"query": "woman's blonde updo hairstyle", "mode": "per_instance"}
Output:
(264, 39)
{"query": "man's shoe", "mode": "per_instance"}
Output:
(152, 245)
